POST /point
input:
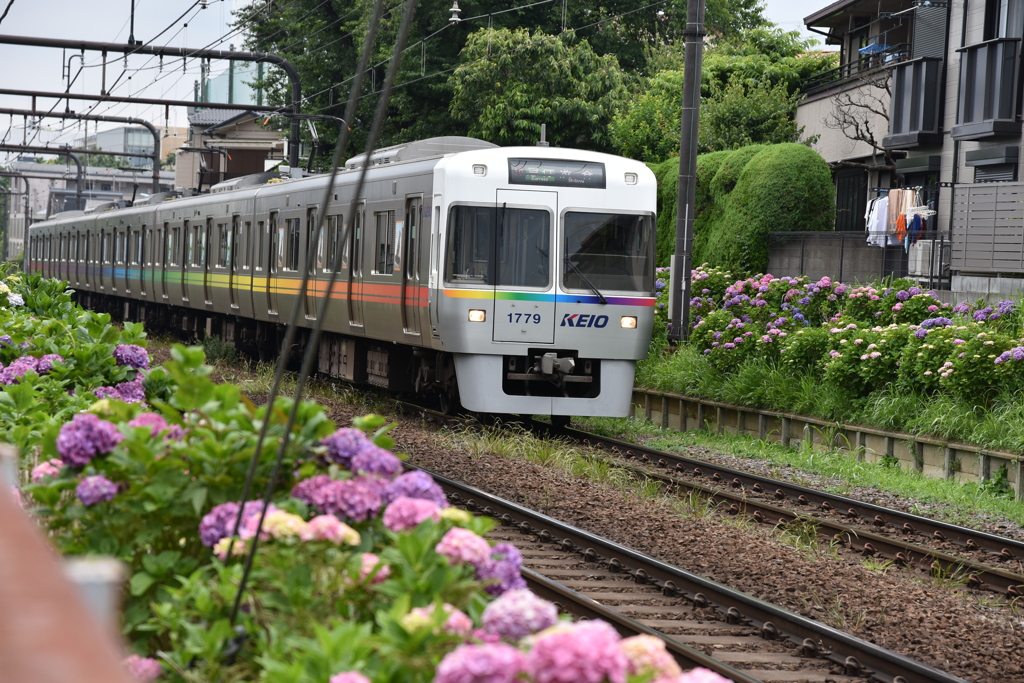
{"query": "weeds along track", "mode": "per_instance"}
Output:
(703, 623)
(981, 560)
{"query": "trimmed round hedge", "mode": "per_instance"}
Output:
(742, 195)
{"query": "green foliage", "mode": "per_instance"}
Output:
(323, 41)
(741, 196)
(510, 82)
(750, 87)
(782, 188)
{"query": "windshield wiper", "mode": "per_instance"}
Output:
(595, 290)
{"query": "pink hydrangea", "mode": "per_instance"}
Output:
(371, 564)
(586, 652)
(349, 677)
(50, 468)
(407, 513)
(154, 421)
(456, 623)
(647, 656)
(142, 669)
(701, 675)
(490, 663)
(462, 546)
(330, 528)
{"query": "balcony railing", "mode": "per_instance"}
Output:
(913, 114)
(989, 90)
(856, 69)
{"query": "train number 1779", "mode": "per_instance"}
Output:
(524, 318)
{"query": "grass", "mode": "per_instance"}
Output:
(963, 503)
(764, 384)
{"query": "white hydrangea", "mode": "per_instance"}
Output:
(15, 299)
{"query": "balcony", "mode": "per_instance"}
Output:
(862, 68)
(913, 114)
(989, 90)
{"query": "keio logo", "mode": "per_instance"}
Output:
(583, 320)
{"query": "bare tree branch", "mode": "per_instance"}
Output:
(857, 113)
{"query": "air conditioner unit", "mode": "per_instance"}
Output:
(919, 258)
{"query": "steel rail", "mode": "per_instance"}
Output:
(583, 607)
(878, 515)
(855, 655)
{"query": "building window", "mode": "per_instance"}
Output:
(385, 250)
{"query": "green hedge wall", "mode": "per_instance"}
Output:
(742, 195)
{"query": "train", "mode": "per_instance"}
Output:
(507, 280)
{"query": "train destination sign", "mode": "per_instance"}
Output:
(556, 173)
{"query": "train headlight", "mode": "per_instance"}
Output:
(628, 322)
(477, 316)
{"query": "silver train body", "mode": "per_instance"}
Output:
(513, 280)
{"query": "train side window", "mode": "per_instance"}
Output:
(412, 226)
(105, 247)
(332, 241)
(223, 242)
(245, 245)
(291, 246)
(259, 246)
(384, 254)
(357, 243)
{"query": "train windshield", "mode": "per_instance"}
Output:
(608, 251)
(519, 257)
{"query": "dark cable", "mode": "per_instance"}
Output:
(310, 353)
(364, 59)
(6, 10)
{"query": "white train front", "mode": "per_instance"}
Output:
(512, 280)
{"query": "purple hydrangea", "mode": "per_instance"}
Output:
(415, 484)
(921, 334)
(85, 437)
(914, 291)
(45, 363)
(349, 499)
(131, 355)
(129, 392)
(518, 613)
(962, 308)
(1016, 353)
(6, 340)
(219, 522)
(13, 373)
(503, 570)
(936, 322)
(305, 489)
(902, 295)
(345, 444)
(373, 459)
(982, 314)
(95, 489)
(488, 663)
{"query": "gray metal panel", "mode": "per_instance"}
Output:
(929, 32)
(988, 228)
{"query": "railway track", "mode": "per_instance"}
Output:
(704, 623)
(985, 561)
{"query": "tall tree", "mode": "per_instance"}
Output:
(511, 82)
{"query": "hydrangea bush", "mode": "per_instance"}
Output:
(364, 572)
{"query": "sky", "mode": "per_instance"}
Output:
(43, 69)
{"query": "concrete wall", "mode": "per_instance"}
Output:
(844, 256)
(833, 145)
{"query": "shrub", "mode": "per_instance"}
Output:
(784, 187)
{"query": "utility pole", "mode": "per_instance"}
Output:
(682, 262)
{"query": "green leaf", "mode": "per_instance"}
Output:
(140, 583)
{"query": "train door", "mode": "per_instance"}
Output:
(185, 258)
(207, 248)
(258, 262)
(274, 243)
(355, 271)
(314, 259)
(87, 259)
(243, 269)
(232, 262)
(435, 274)
(140, 258)
(105, 259)
(164, 258)
(522, 259)
(412, 298)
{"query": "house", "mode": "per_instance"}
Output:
(225, 144)
(928, 95)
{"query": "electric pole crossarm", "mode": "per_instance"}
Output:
(138, 100)
(167, 51)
